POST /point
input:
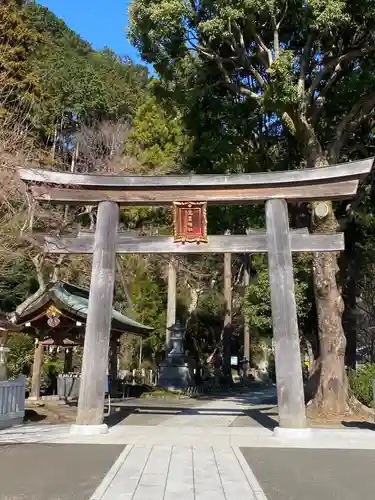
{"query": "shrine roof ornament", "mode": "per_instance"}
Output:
(335, 182)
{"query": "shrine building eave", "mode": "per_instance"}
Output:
(72, 302)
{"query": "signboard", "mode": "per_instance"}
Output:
(234, 360)
(190, 222)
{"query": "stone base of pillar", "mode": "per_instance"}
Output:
(88, 430)
(285, 432)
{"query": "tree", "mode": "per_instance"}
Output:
(19, 87)
(79, 85)
(157, 138)
(307, 65)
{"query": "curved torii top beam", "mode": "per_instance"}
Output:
(335, 182)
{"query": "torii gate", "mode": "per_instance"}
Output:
(336, 182)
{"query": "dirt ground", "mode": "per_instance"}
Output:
(50, 413)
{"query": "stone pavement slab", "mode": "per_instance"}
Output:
(295, 474)
(184, 472)
(53, 472)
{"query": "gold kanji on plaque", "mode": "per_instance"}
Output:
(190, 222)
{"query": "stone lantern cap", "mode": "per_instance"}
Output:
(177, 328)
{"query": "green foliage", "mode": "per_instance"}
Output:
(157, 138)
(80, 85)
(361, 384)
(257, 303)
(149, 295)
(17, 282)
(18, 85)
(52, 367)
(21, 355)
(281, 56)
(281, 94)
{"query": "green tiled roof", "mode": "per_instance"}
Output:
(74, 300)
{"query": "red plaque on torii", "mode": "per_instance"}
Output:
(190, 222)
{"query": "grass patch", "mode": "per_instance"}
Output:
(163, 393)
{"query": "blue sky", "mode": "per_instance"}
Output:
(100, 22)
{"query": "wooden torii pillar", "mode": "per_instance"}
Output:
(337, 182)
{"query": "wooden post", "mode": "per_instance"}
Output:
(68, 360)
(227, 332)
(171, 306)
(140, 353)
(290, 392)
(4, 351)
(113, 354)
(37, 372)
(99, 319)
(246, 327)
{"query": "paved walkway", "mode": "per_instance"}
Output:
(188, 473)
(197, 452)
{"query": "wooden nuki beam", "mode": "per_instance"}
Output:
(218, 196)
(252, 243)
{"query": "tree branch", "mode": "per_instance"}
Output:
(360, 111)
(124, 284)
(283, 15)
(242, 48)
(317, 108)
(336, 65)
(276, 41)
(38, 262)
(304, 63)
(233, 86)
(265, 51)
(56, 268)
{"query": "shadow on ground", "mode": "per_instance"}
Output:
(257, 409)
(359, 425)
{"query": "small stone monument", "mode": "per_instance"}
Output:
(3, 362)
(174, 370)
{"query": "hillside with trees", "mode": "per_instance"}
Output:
(245, 86)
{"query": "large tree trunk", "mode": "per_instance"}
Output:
(332, 395)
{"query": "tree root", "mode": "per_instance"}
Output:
(354, 410)
(359, 408)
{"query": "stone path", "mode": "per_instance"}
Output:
(188, 473)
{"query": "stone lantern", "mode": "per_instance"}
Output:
(174, 370)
